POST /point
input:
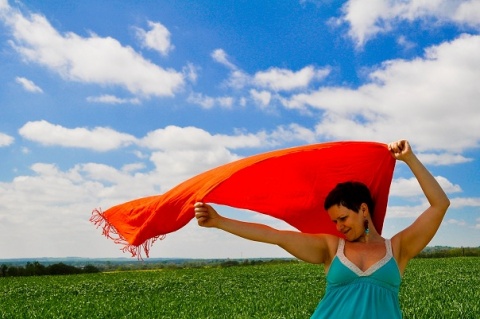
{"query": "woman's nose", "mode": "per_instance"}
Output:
(339, 226)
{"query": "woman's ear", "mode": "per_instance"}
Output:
(364, 210)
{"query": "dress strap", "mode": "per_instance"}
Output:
(340, 247)
(388, 246)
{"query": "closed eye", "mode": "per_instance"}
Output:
(342, 219)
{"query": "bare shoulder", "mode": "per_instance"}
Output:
(331, 244)
(312, 248)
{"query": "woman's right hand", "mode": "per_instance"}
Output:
(206, 215)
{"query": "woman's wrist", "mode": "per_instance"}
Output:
(410, 158)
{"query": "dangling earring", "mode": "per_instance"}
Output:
(367, 231)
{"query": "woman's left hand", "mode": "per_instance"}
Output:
(400, 150)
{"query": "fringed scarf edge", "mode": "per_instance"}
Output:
(99, 219)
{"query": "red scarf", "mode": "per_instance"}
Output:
(289, 184)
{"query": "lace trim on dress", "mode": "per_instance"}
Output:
(350, 265)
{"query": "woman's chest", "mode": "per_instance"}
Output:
(364, 256)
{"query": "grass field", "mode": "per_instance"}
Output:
(432, 288)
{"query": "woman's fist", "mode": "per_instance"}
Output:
(206, 215)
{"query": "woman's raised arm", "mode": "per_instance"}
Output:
(414, 238)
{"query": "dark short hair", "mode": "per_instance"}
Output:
(350, 195)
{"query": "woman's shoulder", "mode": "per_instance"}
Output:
(329, 239)
(331, 243)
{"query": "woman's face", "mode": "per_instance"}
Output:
(349, 222)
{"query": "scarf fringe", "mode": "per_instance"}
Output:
(108, 230)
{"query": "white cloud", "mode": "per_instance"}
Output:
(98, 139)
(191, 72)
(409, 187)
(208, 102)
(157, 38)
(56, 205)
(468, 12)
(187, 151)
(405, 187)
(90, 59)
(273, 79)
(5, 140)
(422, 100)
(130, 168)
(362, 18)
(192, 138)
(179, 139)
(185, 163)
(415, 211)
(238, 80)
(65, 198)
(262, 98)
(448, 186)
(443, 159)
(291, 133)
(406, 211)
(405, 43)
(111, 99)
(172, 138)
(28, 85)
(220, 56)
(225, 101)
(456, 222)
(461, 202)
(277, 79)
(367, 19)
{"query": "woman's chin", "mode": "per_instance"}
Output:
(348, 235)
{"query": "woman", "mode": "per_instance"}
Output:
(363, 270)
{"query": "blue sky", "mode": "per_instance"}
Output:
(106, 101)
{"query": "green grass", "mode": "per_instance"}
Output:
(442, 288)
(432, 288)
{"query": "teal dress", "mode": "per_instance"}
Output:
(353, 293)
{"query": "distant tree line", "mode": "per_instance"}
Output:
(445, 252)
(255, 262)
(192, 263)
(37, 269)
